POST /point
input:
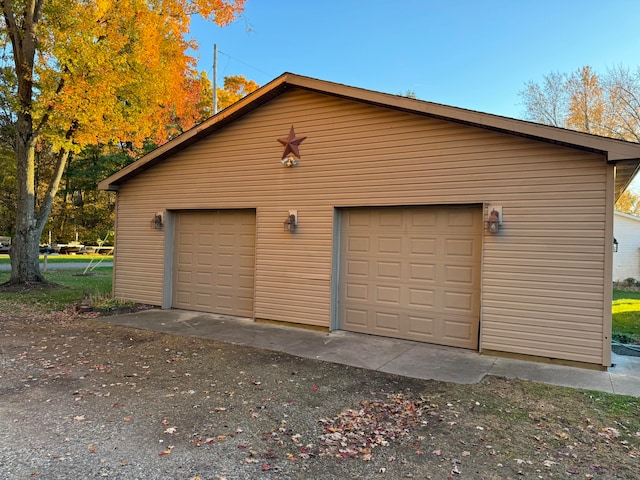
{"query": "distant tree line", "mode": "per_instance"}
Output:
(605, 104)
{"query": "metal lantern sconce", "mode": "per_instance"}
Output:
(289, 161)
(157, 223)
(615, 245)
(291, 222)
(494, 220)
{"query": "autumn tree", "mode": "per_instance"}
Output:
(586, 102)
(234, 88)
(628, 202)
(607, 105)
(622, 110)
(583, 100)
(90, 72)
(547, 103)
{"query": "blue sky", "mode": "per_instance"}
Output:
(475, 54)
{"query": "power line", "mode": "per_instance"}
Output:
(270, 75)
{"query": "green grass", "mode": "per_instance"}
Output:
(626, 317)
(622, 294)
(76, 285)
(66, 258)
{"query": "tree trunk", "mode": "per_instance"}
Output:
(25, 264)
(24, 251)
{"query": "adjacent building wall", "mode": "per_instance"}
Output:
(543, 291)
(626, 261)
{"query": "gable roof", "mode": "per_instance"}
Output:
(625, 155)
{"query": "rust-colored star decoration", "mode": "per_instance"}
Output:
(291, 144)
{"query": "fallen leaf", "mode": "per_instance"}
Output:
(79, 418)
(165, 452)
(170, 430)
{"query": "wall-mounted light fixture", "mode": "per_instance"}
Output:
(291, 221)
(157, 222)
(615, 245)
(494, 220)
(289, 161)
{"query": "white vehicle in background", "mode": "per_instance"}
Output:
(5, 244)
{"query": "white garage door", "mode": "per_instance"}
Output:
(214, 261)
(412, 273)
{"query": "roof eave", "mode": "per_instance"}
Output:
(614, 151)
(191, 136)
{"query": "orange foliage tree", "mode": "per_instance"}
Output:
(235, 87)
(91, 72)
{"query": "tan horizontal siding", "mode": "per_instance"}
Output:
(139, 256)
(553, 199)
(293, 275)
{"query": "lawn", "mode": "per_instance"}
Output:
(76, 285)
(626, 317)
(4, 259)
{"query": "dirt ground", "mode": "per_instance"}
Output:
(84, 399)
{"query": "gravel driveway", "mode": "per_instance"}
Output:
(85, 399)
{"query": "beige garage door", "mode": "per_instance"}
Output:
(412, 273)
(214, 261)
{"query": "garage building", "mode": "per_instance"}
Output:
(315, 203)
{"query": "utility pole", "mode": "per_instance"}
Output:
(215, 78)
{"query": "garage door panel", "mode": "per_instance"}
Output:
(358, 268)
(389, 269)
(459, 331)
(458, 274)
(358, 244)
(387, 321)
(246, 263)
(186, 238)
(389, 294)
(246, 282)
(205, 259)
(423, 218)
(459, 247)
(421, 298)
(420, 279)
(460, 218)
(185, 258)
(423, 271)
(214, 261)
(389, 218)
(460, 302)
(203, 300)
(356, 319)
(423, 246)
(421, 328)
(390, 245)
(247, 241)
(204, 278)
(357, 291)
(224, 280)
